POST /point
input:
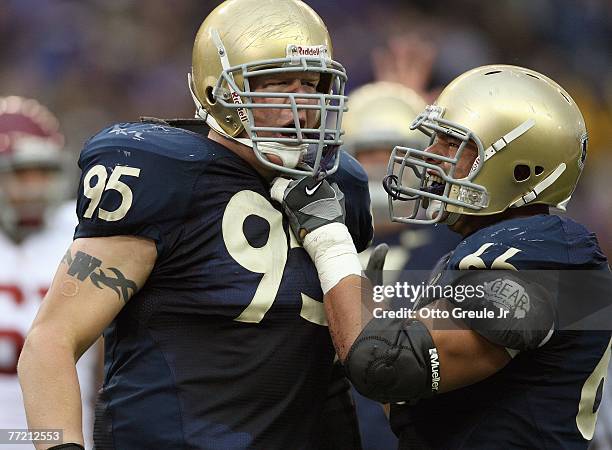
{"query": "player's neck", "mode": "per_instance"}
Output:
(244, 152)
(467, 225)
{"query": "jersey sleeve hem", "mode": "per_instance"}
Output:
(149, 232)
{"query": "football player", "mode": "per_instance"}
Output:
(521, 362)
(35, 224)
(215, 332)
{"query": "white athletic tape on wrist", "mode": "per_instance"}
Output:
(279, 186)
(332, 250)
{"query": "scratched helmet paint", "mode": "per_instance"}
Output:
(531, 140)
(242, 39)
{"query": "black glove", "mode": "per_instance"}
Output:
(309, 203)
(376, 263)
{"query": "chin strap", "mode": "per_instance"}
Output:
(290, 155)
(509, 137)
(452, 219)
(529, 196)
(201, 112)
(435, 206)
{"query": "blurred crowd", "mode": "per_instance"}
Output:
(98, 62)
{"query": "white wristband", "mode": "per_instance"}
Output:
(332, 250)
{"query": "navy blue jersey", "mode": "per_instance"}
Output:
(543, 398)
(414, 250)
(353, 182)
(226, 345)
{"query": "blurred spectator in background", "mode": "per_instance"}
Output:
(379, 118)
(36, 226)
(98, 62)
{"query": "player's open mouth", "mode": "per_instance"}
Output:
(291, 125)
(434, 184)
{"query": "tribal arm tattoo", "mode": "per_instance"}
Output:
(83, 266)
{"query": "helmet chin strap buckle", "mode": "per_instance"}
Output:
(512, 135)
(540, 187)
(201, 112)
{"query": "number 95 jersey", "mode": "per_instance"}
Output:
(226, 346)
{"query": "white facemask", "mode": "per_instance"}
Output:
(433, 209)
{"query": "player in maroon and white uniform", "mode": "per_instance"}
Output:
(36, 227)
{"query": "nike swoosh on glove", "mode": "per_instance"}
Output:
(309, 203)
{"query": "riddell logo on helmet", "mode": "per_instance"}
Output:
(242, 115)
(307, 50)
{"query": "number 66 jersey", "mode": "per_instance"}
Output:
(226, 346)
(550, 275)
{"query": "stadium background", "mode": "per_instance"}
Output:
(96, 62)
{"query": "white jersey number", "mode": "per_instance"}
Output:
(474, 260)
(94, 192)
(587, 415)
(269, 260)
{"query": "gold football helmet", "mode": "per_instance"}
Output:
(242, 39)
(531, 140)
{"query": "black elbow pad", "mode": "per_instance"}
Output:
(394, 360)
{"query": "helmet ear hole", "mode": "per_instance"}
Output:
(210, 98)
(539, 170)
(522, 172)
